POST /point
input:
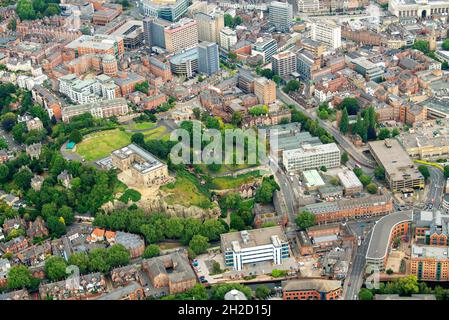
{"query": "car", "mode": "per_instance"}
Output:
(349, 284)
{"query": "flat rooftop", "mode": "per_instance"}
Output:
(149, 162)
(430, 252)
(395, 160)
(99, 41)
(252, 238)
(380, 238)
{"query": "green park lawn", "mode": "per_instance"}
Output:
(229, 182)
(140, 126)
(100, 144)
(186, 191)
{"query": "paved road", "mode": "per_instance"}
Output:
(436, 187)
(354, 279)
(13, 146)
(347, 146)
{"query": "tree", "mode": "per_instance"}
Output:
(142, 87)
(265, 192)
(292, 85)
(52, 9)
(236, 222)
(4, 172)
(228, 21)
(118, 255)
(236, 118)
(334, 181)
(199, 244)
(76, 136)
(238, 21)
(81, 260)
(422, 46)
(212, 229)
(446, 172)
(365, 294)
(344, 122)
(55, 268)
(424, 171)
(379, 173)
(56, 226)
(220, 290)
(151, 251)
(384, 133)
(408, 285)
(351, 105)
(305, 220)
(445, 45)
(8, 121)
(389, 271)
(344, 157)
(365, 179)
(395, 132)
(138, 138)
(19, 277)
(99, 260)
(25, 10)
(323, 169)
(371, 188)
(23, 178)
(174, 228)
(262, 292)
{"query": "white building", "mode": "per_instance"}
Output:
(228, 38)
(308, 157)
(253, 246)
(327, 32)
(280, 15)
(284, 64)
(80, 91)
(418, 8)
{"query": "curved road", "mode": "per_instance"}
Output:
(347, 146)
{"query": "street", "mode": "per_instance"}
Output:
(436, 186)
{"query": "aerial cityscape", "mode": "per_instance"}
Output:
(224, 150)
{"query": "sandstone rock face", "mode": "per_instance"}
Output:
(158, 204)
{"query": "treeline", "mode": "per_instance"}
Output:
(37, 9)
(310, 125)
(157, 227)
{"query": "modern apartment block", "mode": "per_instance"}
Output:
(266, 48)
(284, 64)
(265, 90)
(153, 31)
(400, 172)
(253, 246)
(343, 210)
(99, 109)
(280, 15)
(308, 157)
(430, 263)
(171, 10)
(99, 43)
(208, 59)
(87, 91)
(228, 38)
(327, 32)
(209, 26)
(181, 35)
